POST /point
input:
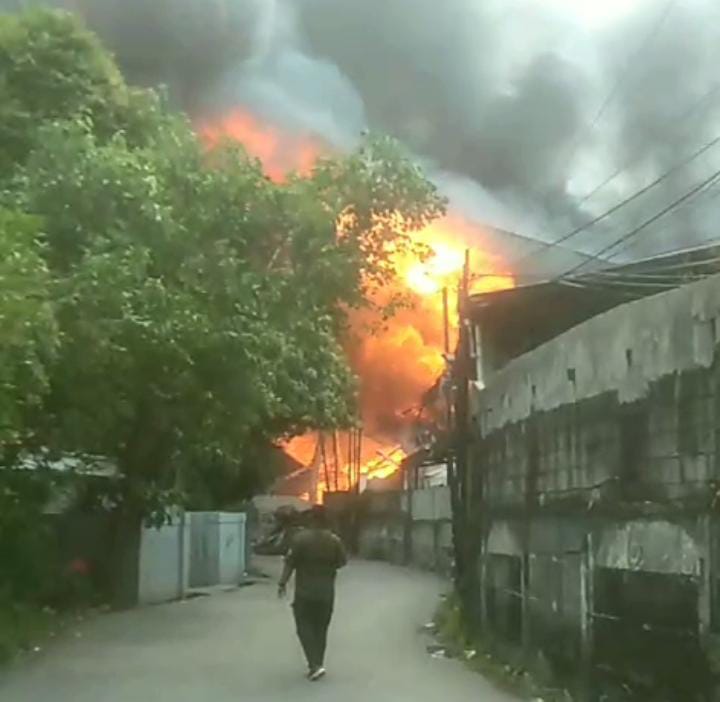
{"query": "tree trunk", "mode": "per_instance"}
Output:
(127, 529)
(146, 460)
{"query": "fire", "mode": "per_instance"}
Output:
(302, 448)
(280, 153)
(441, 270)
(385, 465)
(330, 458)
(399, 361)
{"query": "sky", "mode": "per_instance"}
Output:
(594, 14)
(534, 115)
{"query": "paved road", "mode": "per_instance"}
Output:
(240, 646)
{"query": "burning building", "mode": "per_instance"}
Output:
(397, 360)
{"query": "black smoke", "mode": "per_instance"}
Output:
(501, 98)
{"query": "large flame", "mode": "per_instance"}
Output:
(399, 360)
(278, 151)
(336, 471)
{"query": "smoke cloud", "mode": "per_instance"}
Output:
(519, 110)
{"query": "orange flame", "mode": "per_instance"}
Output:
(378, 461)
(280, 153)
(400, 361)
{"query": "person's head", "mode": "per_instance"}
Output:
(318, 519)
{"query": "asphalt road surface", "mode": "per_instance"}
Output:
(240, 646)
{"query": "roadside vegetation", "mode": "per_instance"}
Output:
(164, 307)
(480, 655)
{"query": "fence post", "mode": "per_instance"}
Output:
(183, 554)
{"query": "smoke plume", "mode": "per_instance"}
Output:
(520, 111)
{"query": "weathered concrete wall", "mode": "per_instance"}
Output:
(196, 549)
(164, 562)
(431, 504)
(217, 548)
(597, 455)
(622, 351)
(409, 527)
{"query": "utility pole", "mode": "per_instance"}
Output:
(315, 470)
(446, 321)
(358, 458)
(336, 462)
(350, 459)
(323, 456)
(461, 378)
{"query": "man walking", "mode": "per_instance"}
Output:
(315, 556)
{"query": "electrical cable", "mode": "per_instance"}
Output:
(623, 203)
(642, 227)
(633, 60)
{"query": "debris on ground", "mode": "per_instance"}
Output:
(436, 650)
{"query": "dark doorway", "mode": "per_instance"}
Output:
(646, 635)
(504, 597)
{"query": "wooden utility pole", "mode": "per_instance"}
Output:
(458, 429)
(315, 469)
(336, 456)
(323, 456)
(350, 461)
(358, 458)
(446, 321)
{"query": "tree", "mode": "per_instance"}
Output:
(199, 302)
(27, 325)
(53, 68)
(200, 306)
(29, 341)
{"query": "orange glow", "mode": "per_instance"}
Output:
(384, 465)
(302, 448)
(399, 360)
(378, 460)
(280, 153)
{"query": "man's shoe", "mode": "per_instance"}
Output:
(317, 674)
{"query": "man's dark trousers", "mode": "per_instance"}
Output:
(312, 619)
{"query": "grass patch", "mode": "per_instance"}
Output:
(23, 628)
(482, 657)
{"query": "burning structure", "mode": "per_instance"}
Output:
(397, 360)
(493, 123)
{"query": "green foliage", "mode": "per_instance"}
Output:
(450, 624)
(199, 306)
(25, 549)
(52, 68)
(27, 326)
(22, 627)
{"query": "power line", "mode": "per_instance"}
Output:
(709, 197)
(637, 230)
(619, 83)
(683, 119)
(623, 203)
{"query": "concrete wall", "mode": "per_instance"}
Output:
(217, 548)
(164, 562)
(232, 555)
(196, 549)
(412, 528)
(622, 351)
(594, 530)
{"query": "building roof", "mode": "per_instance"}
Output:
(517, 320)
(85, 465)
